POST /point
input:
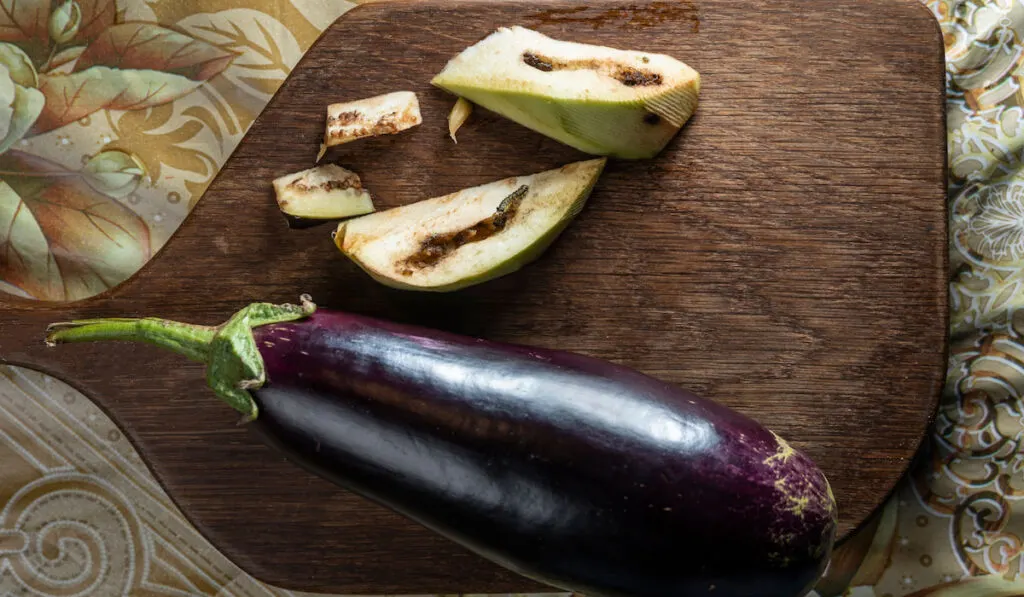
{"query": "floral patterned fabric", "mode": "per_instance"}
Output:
(115, 115)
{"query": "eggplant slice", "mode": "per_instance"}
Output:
(321, 193)
(600, 100)
(470, 236)
(386, 114)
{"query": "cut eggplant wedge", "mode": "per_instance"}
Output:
(386, 114)
(470, 236)
(322, 193)
(600, 100)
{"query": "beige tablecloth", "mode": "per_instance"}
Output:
(115, 115)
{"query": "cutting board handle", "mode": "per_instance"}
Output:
(23, 321)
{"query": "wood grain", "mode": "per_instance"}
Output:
(785, 255)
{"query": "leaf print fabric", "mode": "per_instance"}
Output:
(71, 232)
(61, 237)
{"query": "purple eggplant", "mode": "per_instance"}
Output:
(572, 471)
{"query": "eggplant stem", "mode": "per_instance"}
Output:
(190, 341)
(234, 365)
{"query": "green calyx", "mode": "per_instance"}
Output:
(234, 365)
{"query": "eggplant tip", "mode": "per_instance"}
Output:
(52, 332)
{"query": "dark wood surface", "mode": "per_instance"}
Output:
(785, 255)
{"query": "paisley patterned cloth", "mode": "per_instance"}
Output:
(115, 115)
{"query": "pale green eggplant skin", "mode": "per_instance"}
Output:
(577, 96)
(381, 242)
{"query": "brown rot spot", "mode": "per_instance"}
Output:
(345, 182)
(388, 124)
(652, 119)
(438, 246)
(537, 62)
(630, 76)
(332, 185)
(343, 118)
(634, 77)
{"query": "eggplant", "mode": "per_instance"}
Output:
(321, 193)
(573, 471)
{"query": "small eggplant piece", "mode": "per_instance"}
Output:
(566, 469)
(385, 114)
(322, 193)
(458, 116)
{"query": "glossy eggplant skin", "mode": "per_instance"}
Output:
(569, 470)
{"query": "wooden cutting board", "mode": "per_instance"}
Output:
(785, 255)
